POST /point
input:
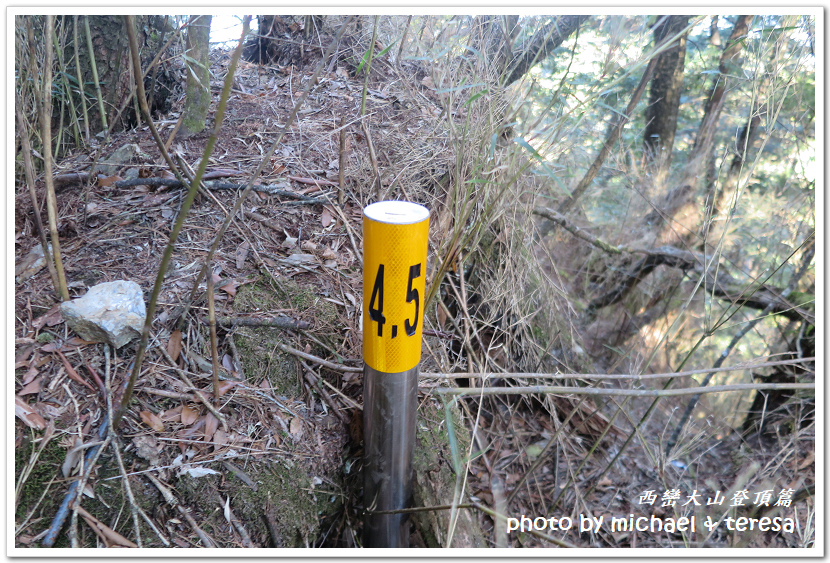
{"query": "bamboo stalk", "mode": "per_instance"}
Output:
(403, 40)
(94, 67)
(367, 68)
(76, 132)
(28, 170)
(342, 165)
(80, 77)
(46, 133)
(614, 376)
(36, 88)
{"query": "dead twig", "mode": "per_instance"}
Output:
(237, 523)
(316, 360)
(314, 380)
(172, 501)
(196, 390)
(313, 181)
(276, 322)
(214, 343)
(341, 171)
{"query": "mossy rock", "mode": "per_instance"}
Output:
(260, 356)
(436, 479)
(47, 466)
(110, 497)
(283, 491)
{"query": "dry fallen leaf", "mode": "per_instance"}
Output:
(227, 509)
(211, 424)
(28, 414)
(172, 415)
(326, 218)
(328, 254)
(30, 374)
(230, 287)
(296, 259)
(51, 318)
(808, 461)
(31, 388)
(152, 421)
(442, 317)
(220, 438)
(110, 537)
(107, 181)
(289, 242)
(225, 386)
(242, 254)
(174, 345)
(227, 363)
(189, 415)
(296, 428)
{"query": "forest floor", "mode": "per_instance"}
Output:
(281, 466)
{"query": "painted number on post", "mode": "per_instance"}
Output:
(376, 302)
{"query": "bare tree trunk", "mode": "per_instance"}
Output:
(676, 212)
(111, 54)
(664, 92)
(714, 103)
(197, 100)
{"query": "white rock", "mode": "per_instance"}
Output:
(112, 312)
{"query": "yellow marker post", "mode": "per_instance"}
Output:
(395, 235)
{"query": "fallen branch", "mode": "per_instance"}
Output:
(722, 284)
(544, 389)
(599, 376)
(314, 380)
(284, 323)
(560, 220)
(72, 493)
(313, 181)
(107, 534)
(174, 502)
(271, 189)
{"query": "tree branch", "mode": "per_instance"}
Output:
(541, 45)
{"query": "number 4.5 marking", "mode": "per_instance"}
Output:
(412, 295)
(377, 293)
(376, 302)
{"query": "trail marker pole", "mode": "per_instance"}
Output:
(395, 235)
